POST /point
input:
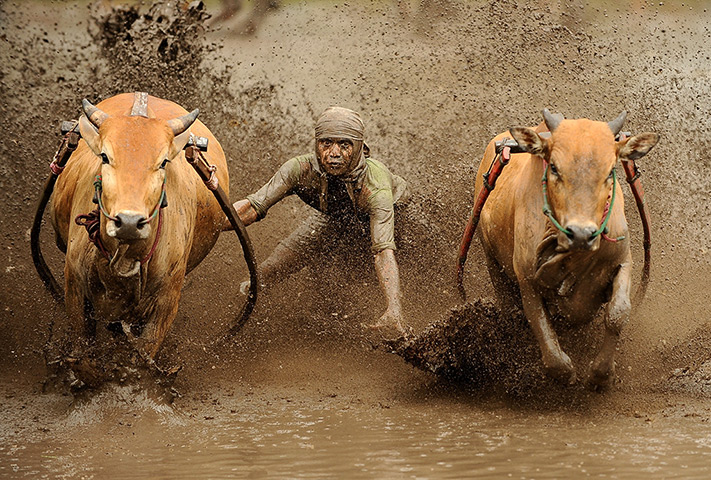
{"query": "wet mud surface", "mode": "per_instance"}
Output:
(433, 82)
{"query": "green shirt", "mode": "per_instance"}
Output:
(372, 193)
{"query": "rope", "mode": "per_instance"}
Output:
(546, 206)
(92, 220)
(55, 168)
(212, 183)
(602, 230)
(155, 242)
(97, 198)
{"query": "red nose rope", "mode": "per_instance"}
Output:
(92, 220)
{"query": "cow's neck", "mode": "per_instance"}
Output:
(559, 270)
(123, 275)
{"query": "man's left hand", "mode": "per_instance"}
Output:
(391, 325)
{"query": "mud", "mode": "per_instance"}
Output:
(433, 82)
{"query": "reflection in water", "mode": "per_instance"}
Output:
(299, 440)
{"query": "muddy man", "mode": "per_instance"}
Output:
(351, 193)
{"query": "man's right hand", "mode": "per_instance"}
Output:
(246, 213)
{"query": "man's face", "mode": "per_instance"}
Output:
(335, 155)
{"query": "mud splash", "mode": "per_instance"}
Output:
(299, 392)
(479, 347)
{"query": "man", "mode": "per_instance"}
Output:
(350, 192)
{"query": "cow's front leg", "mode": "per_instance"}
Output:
(74, 335)
(616, 316)
(556, 362)
(160, 311)
(75, 338)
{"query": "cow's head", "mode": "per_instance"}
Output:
(581, 155)
(134, 150)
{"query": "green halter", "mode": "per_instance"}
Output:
(549, 213)
(98, 188)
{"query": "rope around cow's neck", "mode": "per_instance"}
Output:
(547, 211)
(97, 198)
(88, 222)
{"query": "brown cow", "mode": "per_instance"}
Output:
(564, 273)
(133, 281)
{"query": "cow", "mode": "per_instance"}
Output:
(157, 220)
(566, 264)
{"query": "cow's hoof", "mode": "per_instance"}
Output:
(561, 369)
(602, 375)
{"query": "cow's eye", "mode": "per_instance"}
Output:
(165, 162)
(609, 177)
(554, 170)
(104, 159)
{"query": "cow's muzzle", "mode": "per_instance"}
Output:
(128, 226)
(579, 237)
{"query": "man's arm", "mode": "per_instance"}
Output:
(389, 278)
(279, 186)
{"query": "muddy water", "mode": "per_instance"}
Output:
(300, 392)
(292, 438)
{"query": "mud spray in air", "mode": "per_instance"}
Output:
(433, 82)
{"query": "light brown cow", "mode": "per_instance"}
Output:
(564, 273)
(135, 143)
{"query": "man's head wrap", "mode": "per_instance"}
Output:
(339, 122)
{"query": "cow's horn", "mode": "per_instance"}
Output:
(95, 115)
(180, 124)
(616, 124)
(552, 119)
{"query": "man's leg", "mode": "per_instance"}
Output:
(293, 253)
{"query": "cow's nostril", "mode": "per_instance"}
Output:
(131, 226)
(581, 236)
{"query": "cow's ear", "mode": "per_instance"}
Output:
(637, 146)
(90, 134)
(530, 141)
(179, 143)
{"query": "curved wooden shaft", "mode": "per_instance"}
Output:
(497, 165)
(68, 145)
(195, 159)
